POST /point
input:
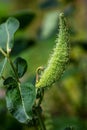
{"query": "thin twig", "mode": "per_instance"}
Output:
(15, 72)
(1, 50)
(42, 125)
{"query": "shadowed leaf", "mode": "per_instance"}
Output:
(20, 99)
(21, 66)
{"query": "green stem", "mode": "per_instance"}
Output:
(12, 66)
(11, 63)
(42, 125)
(3, 77)
(3, 52)
(41, 97)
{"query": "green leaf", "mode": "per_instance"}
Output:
(7, 31)
(10, 82)
(20, 99)
(2, 66)
(21, 66)
(28, 93)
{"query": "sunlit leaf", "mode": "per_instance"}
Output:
(7, 31)
(20, 99)
(21, 66)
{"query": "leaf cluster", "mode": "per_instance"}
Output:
(20, 97)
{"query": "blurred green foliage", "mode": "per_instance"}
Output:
(67, 99)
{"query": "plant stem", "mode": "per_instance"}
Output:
(1, 50)
(3, 77)
(41, 97)
(11, 63)
(40, 119)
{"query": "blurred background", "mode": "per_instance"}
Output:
(66, 102)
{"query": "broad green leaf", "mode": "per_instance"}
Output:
(20, 99)
(2, 66)
(28, 94)
(7, 31)
(21, 66)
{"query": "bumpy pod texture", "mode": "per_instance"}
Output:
(59, 58)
